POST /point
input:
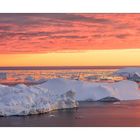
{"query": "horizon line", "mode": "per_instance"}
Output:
(60, 67)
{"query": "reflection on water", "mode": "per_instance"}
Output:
(125, 113)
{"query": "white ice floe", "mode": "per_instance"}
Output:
(59, 94)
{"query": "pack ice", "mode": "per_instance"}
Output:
(59, 94)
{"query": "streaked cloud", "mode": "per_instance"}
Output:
(43, 33)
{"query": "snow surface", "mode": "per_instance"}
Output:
(60, 93)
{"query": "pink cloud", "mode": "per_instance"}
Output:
(41, 33)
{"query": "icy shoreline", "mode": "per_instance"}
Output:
(59, 94)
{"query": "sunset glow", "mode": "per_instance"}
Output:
(69, 39)
(84, 58)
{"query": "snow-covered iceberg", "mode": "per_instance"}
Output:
(24, 100)
(123, 90)
(129, 69)
(60, 93)
(128, 72)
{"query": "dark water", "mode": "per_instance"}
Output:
(89, 114)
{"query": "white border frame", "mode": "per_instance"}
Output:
(68, 6)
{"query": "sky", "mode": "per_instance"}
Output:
(69, 39)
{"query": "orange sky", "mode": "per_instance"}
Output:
(84, 58)
(69, 39)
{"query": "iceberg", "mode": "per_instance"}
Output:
(132, 73)
(60, 93)
(128, 72)
(123, 90)
(25, 100)
(109, 99)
